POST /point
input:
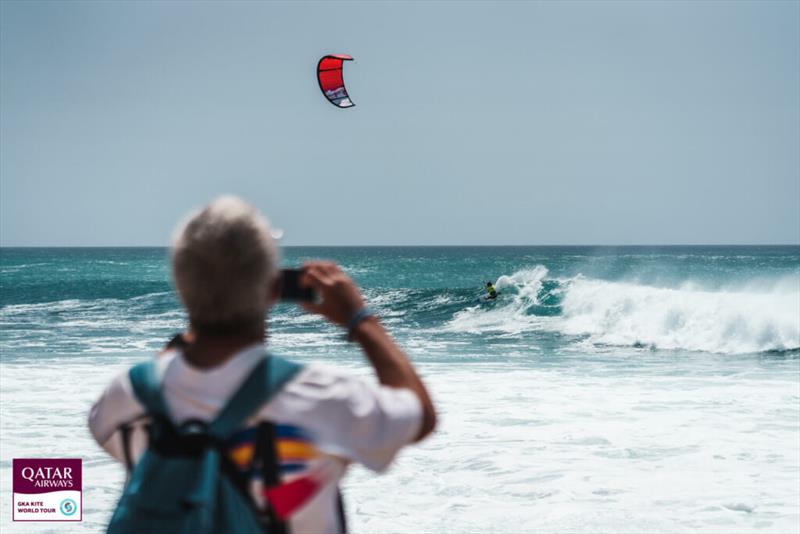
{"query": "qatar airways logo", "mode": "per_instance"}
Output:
(47, 489)
(49, 477)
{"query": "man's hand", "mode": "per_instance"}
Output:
(340, 298)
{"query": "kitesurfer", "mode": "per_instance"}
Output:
(492, 292)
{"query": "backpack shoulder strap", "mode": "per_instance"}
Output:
(147, 387)
(267, 378)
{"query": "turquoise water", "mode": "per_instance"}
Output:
(607, 389)
(78, 301)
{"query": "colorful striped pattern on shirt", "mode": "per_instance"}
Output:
(294, 447)
(296, 452)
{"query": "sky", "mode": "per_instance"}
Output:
(475, 123)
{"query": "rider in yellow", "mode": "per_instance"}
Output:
(491, 291)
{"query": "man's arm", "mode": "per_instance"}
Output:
(341, 300)
(393, 368)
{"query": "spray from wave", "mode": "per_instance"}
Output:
(746, 319)
(515, 311)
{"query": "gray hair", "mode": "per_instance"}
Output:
(224, 262)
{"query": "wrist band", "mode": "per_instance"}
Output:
(356, 320)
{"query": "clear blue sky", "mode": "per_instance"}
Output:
(475, 123)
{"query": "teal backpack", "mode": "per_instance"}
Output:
(184, 482)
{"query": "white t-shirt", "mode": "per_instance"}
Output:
(323, 419)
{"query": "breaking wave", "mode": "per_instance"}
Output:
(754, 317)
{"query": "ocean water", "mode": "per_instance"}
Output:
(623, 389)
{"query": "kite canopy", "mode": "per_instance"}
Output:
(331, 82)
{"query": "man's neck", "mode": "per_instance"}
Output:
(206, 350)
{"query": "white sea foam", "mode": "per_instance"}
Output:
(517, 449)
(688, 317)
(540, 451)
(11, 310)
(386, 297)
(437, 302)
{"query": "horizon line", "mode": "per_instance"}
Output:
(447, 246)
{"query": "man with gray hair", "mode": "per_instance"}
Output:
(225, 269)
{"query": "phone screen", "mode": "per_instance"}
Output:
(290, 287)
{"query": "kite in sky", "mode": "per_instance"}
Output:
(331, 81)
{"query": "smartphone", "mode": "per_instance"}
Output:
(290, 287)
